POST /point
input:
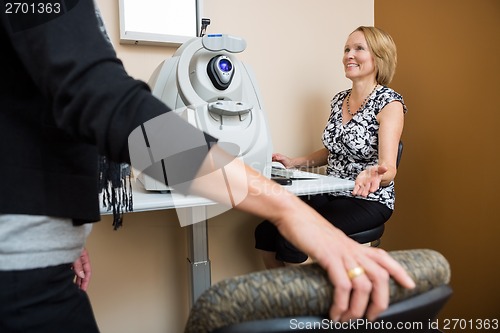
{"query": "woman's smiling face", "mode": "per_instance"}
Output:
(358, 60)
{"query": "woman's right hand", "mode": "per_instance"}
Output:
(285, 160)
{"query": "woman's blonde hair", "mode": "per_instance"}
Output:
(383, 49)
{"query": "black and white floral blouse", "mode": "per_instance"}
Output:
(354, 146)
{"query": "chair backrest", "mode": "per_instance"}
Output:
(400, 153)
(270, 299)
(415, 313)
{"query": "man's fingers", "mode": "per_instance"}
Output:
(360, 297)
(379, 297)
(394, 269)
(366, 293)
(78, 268)
(342, 291)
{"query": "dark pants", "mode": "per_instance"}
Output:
(44, 300)
(351, 215)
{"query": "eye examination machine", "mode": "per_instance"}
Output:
(206, 84)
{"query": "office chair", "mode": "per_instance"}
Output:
(285, 299)
(371, 237)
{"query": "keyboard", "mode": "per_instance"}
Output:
(293, 173)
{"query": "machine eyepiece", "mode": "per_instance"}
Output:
(220, 70)
(225, 65)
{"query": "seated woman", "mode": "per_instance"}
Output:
(360, 141)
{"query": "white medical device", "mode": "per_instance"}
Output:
(211, 89)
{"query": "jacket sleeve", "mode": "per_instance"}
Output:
(76, 69)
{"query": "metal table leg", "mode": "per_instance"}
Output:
(198, 261)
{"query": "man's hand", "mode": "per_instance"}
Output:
(82, 270)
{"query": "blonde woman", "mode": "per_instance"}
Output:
(360, 141)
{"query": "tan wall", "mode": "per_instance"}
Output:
(448, 182)
(295, 48)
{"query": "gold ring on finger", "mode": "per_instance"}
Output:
(355, 272)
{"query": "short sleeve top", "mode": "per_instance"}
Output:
(354, 146)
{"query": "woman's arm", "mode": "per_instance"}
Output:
(391, 121)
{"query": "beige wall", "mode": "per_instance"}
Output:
(448, 181)
(295, 49)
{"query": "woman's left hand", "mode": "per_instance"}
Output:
(368, 180)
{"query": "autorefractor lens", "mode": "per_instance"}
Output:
(225, 65)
